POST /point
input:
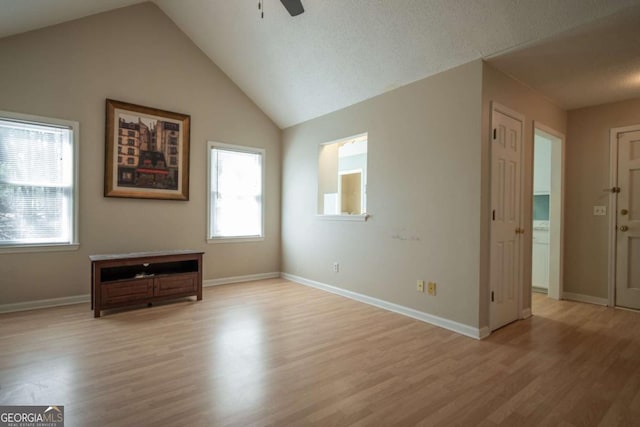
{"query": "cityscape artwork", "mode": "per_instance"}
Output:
(147, 152)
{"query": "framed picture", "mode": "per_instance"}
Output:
(147, 152)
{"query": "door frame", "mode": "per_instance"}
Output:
(497, 107)
(558, 240)
(613, 206)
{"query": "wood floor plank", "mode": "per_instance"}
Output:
(274, 353)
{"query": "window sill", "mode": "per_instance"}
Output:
(235, 239)
(15, 249)
(360, 218)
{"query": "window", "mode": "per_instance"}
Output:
(541, 207)
(342, 178)
(38, 197)
(236, 188)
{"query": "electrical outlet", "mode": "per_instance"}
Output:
(431, 288)
(336, 267)
(420, 286)
(599, 210)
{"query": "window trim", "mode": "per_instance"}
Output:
(243, 149)
(364, 197)
(361, 217)
(74, 126)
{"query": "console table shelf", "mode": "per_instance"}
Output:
(119, 280)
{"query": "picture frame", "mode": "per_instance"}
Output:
(146, 152)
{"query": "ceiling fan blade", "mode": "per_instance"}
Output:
(294, 7)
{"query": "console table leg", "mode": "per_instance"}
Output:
(96, 313)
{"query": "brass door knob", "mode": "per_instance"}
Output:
(623, 228)
(624, 212)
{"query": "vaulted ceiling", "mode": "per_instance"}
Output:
(340, 52)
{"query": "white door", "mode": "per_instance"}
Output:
(506, 175)
(628, 221)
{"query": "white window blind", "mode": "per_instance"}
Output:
(235, 200)
(36, 183)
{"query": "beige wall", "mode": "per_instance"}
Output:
(498, 87)
(423, 196)
(137, 55)
(587, 174)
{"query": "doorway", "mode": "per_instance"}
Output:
(548, 175)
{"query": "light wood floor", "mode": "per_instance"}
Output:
(276, 353)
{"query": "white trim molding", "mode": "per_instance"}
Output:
(44, 303)
(469, 331)
(557, 206)
(262, 152)
(240, 279)
(361, 217)
(585, 298)
(73, 215)
(79, 299)
(526, 313)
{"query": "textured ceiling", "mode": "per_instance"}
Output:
(593, 64)
(340, 52)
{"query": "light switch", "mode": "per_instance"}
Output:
(599, 210)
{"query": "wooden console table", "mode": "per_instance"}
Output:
(120, 280)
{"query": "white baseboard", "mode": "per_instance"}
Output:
(484, 332)
(44, 303)
(77, 299)
(240, 279)
(526, 313)
(451, 325)
(585, 298)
